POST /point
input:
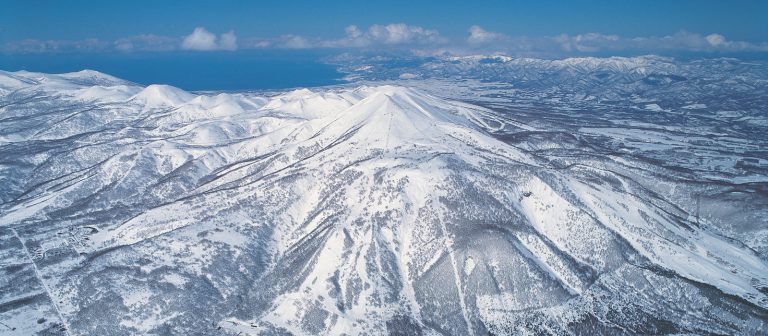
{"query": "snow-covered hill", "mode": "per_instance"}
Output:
(360, 210)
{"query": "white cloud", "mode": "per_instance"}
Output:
(146, 42)
(716, 39)
(295, 42)
(394, 34)
(478, 35)
(228, 41)
(255, 43)
(200, 39)
(55, 46)
(400, 33)
(353, 32)
(587, 43)
(203, 40)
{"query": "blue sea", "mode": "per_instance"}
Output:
(192, 71)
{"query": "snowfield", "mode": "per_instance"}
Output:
(444, 207)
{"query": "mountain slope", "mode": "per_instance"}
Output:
(368, 210)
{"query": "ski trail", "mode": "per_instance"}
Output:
(456, 275)
(45, 286)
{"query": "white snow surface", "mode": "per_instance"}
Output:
(363, 205)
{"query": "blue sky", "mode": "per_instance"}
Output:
(429, 26)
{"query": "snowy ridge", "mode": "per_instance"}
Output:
(363, 210)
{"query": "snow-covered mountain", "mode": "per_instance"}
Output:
(377, 209)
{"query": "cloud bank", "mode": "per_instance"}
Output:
(410, 38)
(394, 35)
(483, 40)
